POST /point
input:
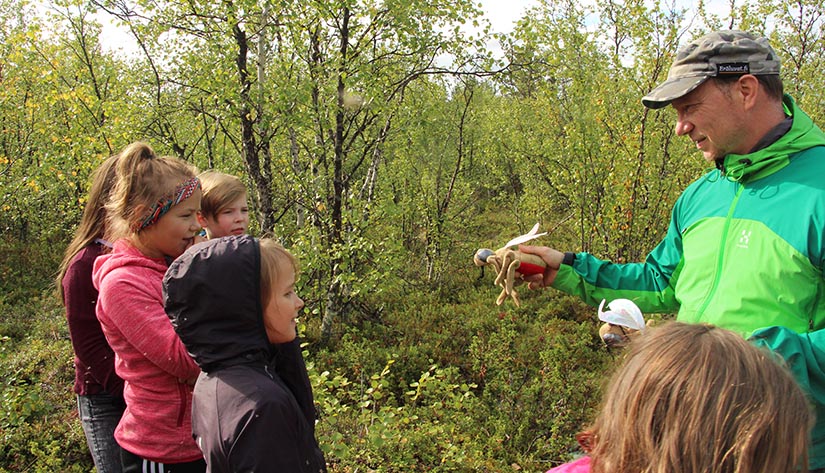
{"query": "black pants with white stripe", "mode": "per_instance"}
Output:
(135, 464)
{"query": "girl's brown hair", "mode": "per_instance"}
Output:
(274, 260)
(143, 178)
(695, 398)
(219, 190)
(93, 221)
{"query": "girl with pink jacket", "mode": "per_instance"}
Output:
(152, 219)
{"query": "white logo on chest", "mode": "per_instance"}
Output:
(744, 239)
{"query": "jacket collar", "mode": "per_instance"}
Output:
(803, 134)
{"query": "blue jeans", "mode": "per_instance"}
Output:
(99, 415)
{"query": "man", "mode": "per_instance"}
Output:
(745, 248)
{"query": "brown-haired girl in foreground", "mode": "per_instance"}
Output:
(694, 398)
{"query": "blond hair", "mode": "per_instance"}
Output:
(143, 178)
(694, 398)
(93, 221)
(219, 191)
(275, 259)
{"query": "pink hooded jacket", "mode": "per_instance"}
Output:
(158, 372)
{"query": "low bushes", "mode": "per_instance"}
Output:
(39, 428)
(434, 385)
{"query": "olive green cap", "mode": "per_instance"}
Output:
(721, 53)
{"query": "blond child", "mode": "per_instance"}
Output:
(152, 219)
(693, 398)
(224, 209)
(224, 212)
(231, 300)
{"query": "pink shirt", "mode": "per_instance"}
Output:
(149, 356)
(582, 465)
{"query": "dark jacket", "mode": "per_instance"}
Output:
(252, 408)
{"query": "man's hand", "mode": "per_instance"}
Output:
(551, 257)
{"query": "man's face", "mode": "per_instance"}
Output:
(711, 116)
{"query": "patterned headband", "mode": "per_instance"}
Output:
(182, 192)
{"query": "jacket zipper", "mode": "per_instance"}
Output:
(721, 258)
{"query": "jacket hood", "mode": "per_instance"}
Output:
(803, 134)
(211, 294)
(123, 254)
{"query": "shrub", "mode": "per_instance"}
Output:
(39, 428)
(435, 384)
(432, 430)
(464, 386)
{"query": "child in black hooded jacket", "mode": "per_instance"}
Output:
(232, 302)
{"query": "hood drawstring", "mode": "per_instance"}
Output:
(735, 172)
(745, 169)
(711, 176)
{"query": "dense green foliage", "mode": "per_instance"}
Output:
(383, 144)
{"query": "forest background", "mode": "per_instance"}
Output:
(383, 143)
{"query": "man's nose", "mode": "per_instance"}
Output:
(683, 127)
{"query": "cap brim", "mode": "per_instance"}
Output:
(671, 90)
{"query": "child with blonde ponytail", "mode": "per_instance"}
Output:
(152, 219)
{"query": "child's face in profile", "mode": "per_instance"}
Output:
(230, 220)
(174, 232)
(282, 309)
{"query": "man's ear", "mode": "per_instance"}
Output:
(748, 86)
